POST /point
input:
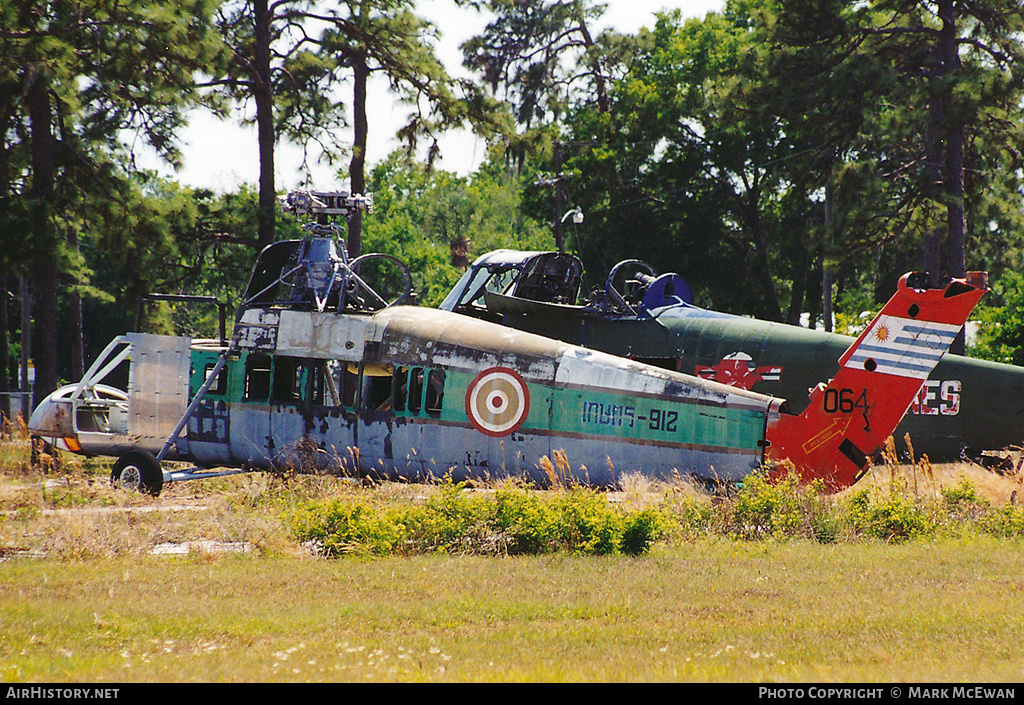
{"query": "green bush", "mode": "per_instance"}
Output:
(522, 522)
(963, 497)
(450, 520)
(514, 521)
(639, 531)
(344, 526)
(586, 523)
(893, 519)
(518, 521)
(687, 517)
(785, 507)
(1003, 522)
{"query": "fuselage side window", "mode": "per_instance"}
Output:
(333, 383)
(377, 386)
(322, 391)
(348, 383)
(287, 380)
(435, 392)
(257, 377)
(401, 388)
(415, 390)
(220, 386)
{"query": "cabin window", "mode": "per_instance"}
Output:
(287, 380)
(93, 419)
(347, 380)
(321, 392)
(400, 388)
(220, 386)
(415, 390)
(333, 383)
(377, 386)
(435, 392)
(257, 377)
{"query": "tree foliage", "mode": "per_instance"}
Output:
(77, 76)
(438, 222)
(769, 153)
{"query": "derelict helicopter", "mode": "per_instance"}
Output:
(327, 371)
(967, 408)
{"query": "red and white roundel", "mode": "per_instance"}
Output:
(497, 401)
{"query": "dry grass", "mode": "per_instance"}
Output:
(920, 478)
(708, 611)
(101, 601)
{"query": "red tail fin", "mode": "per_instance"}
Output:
(849, 420)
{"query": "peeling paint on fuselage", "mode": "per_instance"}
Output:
(412, 393)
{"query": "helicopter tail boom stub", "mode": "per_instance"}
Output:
(850, 418)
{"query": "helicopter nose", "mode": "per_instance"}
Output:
(51, 420)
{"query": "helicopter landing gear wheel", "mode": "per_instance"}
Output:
(138, 471)
(377, 281)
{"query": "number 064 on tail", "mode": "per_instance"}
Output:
(879, 377)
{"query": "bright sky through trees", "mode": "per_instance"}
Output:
(221, 154)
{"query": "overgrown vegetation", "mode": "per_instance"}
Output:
(334, 517)
(447, 582)
(515, 520)
(511, 520)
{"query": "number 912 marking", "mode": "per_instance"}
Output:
(843, 401)
(660, 420)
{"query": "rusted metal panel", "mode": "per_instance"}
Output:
(209, 432)
(257, 329)
(325, 335)
(428, 336)
(251, 441)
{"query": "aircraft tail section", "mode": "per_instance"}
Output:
(849, 419)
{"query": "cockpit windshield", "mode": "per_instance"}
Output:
(536, 276)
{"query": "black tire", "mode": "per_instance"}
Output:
(138, 471)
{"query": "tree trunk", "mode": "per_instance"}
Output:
(44, 269)
(953, 166)
(5, 362)
(25, 296)
(357, 166)
(559, 206)
(796, 299)
(77, 327)
(826, 268)
(263, 94)
(770, 298)
(588, 42)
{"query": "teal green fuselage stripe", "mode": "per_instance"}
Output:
(578, 411)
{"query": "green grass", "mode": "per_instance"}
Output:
(707, 611)
(915, 575)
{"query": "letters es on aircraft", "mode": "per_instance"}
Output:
(965, 408)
